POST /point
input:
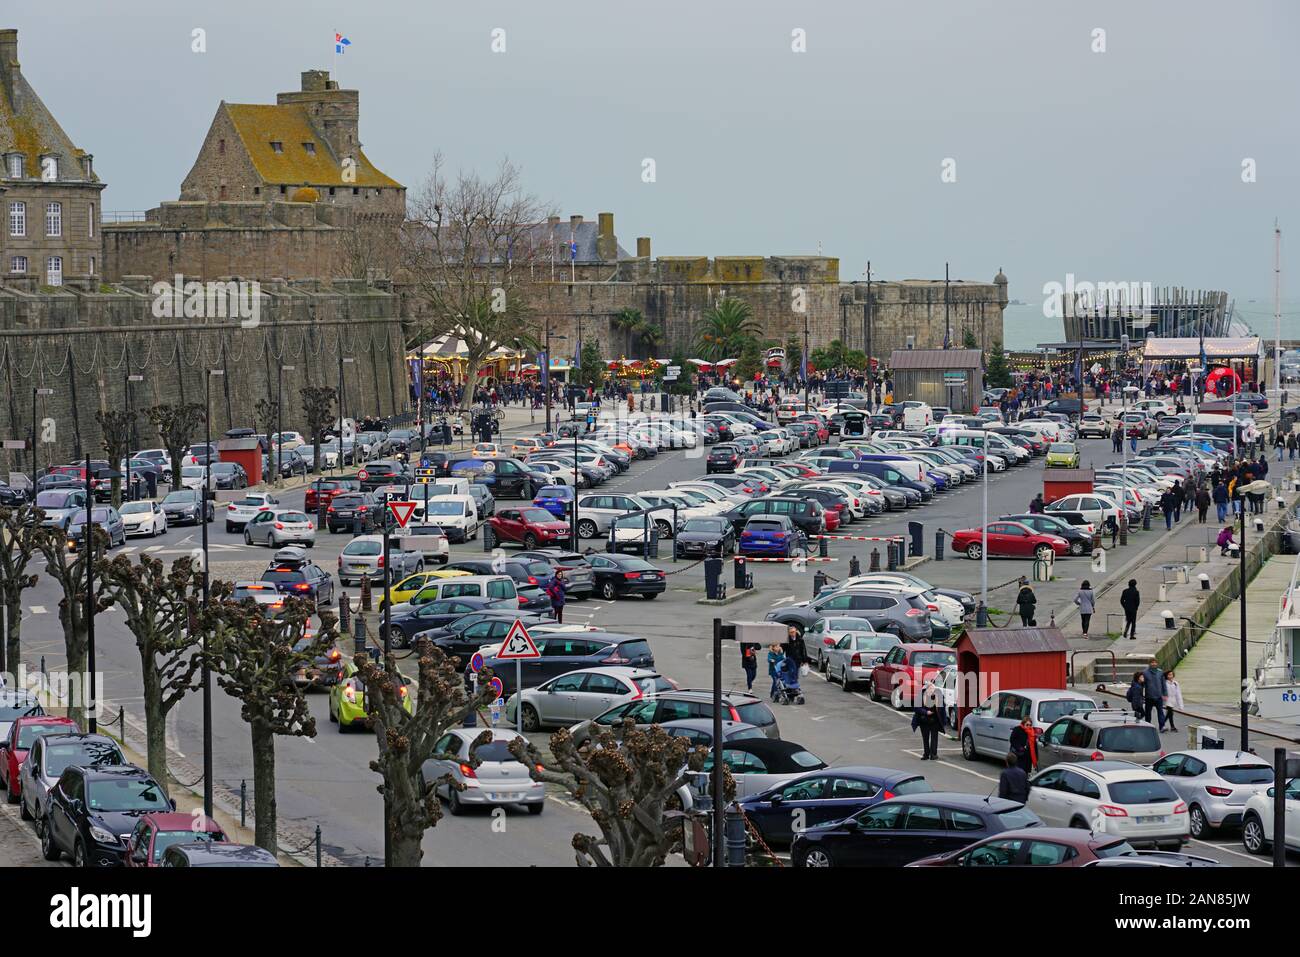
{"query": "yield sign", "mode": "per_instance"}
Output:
(402, 511)
(518, 643)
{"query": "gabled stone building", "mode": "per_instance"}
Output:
(51, 211)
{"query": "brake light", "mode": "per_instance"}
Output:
(302, 586)
(1220, 792)
(631, 574)
(334, 655)
(279, 525)
(361, 508)
(1096, 756)
(311, 527)
(1110, 810)
(932, 607)
(1180, 808)
(778, 535)
(350, 693)
(230, 507)
(914, 612)
(466, 770)
(330, 509)
(855, 661)
(888, 795)
(523, 600)
(380, 561)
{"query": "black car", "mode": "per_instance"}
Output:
(504, 477)
(437, 615)
(470, 632)
(805, 513)
(351, 510)
(725, 434)
(186, 505)
(1080, 542)
(11, 497)
(577, 570)
(440, 462)
(229, 475)
(290, 461)
(91, 812)
(722, 458)
(562, 653)
(381, 472)
(907, 828)
(294, 574)
(618, 576)
(705, 536)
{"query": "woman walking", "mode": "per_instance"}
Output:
(1173, 699)
(1026, 602)
(1087, 603)
(1136, 696)
(1202, 504)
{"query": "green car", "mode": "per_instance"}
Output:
(1062, 455)
(347, 704)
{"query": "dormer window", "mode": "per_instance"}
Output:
(87, 164)
(15, 166)
(277, 146)
(49, 168)
(310, 148)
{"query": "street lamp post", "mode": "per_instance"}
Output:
(1245, 708)
(130, 408)
(982, 613)
(279, 423)
(203, 524)
(88, 556)
(344, 360)
(35, 393)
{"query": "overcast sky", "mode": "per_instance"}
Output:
(1123, 165)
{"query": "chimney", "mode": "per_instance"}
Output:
(334, 114)
(575, 221)
(643, 247)
(606, 244)
(8, 61)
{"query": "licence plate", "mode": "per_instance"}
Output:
(359, 568)
(1152, 819)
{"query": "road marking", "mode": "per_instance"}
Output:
(782, 601)
(917, 754)
(38, 609)
(154, 548)
(1229, 850)
(820, 717)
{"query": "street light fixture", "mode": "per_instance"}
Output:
(203, 523)
(279, 423)
(130, 407)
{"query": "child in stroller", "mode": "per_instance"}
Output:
(786, 689)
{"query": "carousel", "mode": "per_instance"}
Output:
(446, 360)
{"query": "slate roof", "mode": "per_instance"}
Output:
(28, 127)
(936, 359)
(258, 125)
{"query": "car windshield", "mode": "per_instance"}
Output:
(449, 508)
(536, 515)
(165, 839)
(1117, 849)
(127, 794)
(28, 733)
(96, 515)
(282, 575)
(1129, 740)
(1142, 792)
(133, 508)
(714, 525)
(59, 757)
(1049, 711)
(52, 499)
(363, 547)
(1062, 447)
(180, 498)
(553, 491)
(292, 518)
(916, 785)
(1246, 773)
(934, 659)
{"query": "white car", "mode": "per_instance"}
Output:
(822, 635)
(427, 539)
(665, 501)
(457, 515)
(289, 440)
(1094, 507)
(1155, 408)
(714, 493)
(582, 695)
(143, 518)
(857, 507)
(242, 510)
(559, 474)
(1257, 820)
(192, 476)
(1111, 797)
(775, 442)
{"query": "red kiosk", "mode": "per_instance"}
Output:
(1001, 659)
(1058, 483)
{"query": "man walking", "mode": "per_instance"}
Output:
(1117, 438)
(1013, 782)
(1154, 680)
(1130, 600)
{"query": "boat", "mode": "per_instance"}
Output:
(1275, 690)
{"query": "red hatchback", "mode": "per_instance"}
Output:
(156, 832)
(905, 670)
(13, 751)
(530, 527)
(1009, 540)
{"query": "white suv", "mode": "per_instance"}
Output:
(1257, 821)
(1111, 797)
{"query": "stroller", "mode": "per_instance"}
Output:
(787, 689)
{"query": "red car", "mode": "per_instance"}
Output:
(156, 832)
(1035, 847)
(530, 527)
(831, 517)
(325, 490)
(13, 751)
(1011, 540)
(905, 669)
(823, 430)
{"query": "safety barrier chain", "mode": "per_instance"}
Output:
(685, 568)
(193, 784)
(302, 850)
(758, 838)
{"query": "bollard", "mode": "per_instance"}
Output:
(822, 549)
(1146, 518)
(916, 541)
(743, 580)
(1163, 593)
(855, 569)
(1204, 580)
(1168, 616)
(893, 549)
(365, 593)
(819, 582)
(875, 560)
(367, 861)
(358, 635)
(713, 578)
(489, 541)
(1123, 530)
(121, 723)
(42, 668)
(652, 547)
(734, 837)
(981, 616)
(318, 845)
(938, 545)
(243, 802)
(345, 614)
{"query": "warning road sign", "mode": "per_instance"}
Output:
(518, 643)
(402, 511)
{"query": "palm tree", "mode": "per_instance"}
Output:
(629, 320)
(650, 336)
(727, 327)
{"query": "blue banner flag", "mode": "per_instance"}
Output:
(341, 43)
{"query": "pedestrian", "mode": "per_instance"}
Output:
(1026, 601)
(1173, 698)
(1290, 445)
(1037, 505)
(1167, 508)
(1024, 745)
(1225, 539)
(1087, 603)
(556, 591)
(1279, 443)
(1117, 438)
(1133, 443)
(1220, 496)
(1176, 496)
(774, 661)
(1154, 683)
(1202, 504)
(794, 647)
(1013, 782)
(1130, 599)
(749, 662)
(929, 718)
(1136, 696)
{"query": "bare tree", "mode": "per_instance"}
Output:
(159, 603)
(254, 659)
(266, 413)
(628, 779)
(116, 427)
(407, 740)
(176, 425)
(19, 542)
(467, 249)
(317, 409)
(70, 572)
(370, 246)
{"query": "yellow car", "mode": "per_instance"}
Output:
(410, 586)
(1062, 455)
(347, 704)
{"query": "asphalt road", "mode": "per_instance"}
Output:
(326, 780)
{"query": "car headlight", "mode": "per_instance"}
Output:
(102, 836)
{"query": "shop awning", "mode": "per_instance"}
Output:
(1246, 347)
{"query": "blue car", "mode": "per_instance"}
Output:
(772, 535)
(556, 499)
(823, 797)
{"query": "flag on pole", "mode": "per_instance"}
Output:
(573, 250)
(341, 43)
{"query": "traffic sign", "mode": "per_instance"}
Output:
(954, 378)
(498, 687)
(476, 662)
(402, 511)
(673, 371)
(426, 474)
(518, 644)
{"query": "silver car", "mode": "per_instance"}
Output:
(738, 706)
(362, 558)
(582, 694)
(59, 505)
(987, 729)
(1215, 785)
(821, 636)
(50, 756)
(852, 658)
(498, 779)
(279, 527)
(103, 517)
(1102, 735)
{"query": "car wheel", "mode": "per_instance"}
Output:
(968, 746)
(974, 551)
(79, 854)
(532, 721)
(530, 541)
(229, 528)
(23, 813)
(665, 530)
(536, 809)
(248, 538)
(1080, 824)
(896, 698)
(588, 529)
(823, 665)
(952, 717)
(1196, 818)
(49, 850)
(608, 591)
(453, 802)
(1076, 547)
(1252, 835)
(1043, 552)
(817, 857)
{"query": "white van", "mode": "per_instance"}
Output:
(457, 514)
(1219, 426)
(917, 417)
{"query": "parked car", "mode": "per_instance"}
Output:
(59, 505)
(486, 775)
(363, 557)
(580, 695)
(530, 527)
(907, 615)
(852, 658)
(578, 573)
(986, 730)
(1008, 539)
(213, 854)
(623, 576)
(1215, 784)
(1111, 797)
(756, 764)
(22, 732)
(430, 541)
(156, 831)
(740, 707)
(570, 651)
(91, 812)
(242, 510)
(906, 829)
(705, 536)
(356, 511)
(1099, 735)
(186, 506)
(1039, 847)
(902, 674)
(1257, 820)
(824, 796)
